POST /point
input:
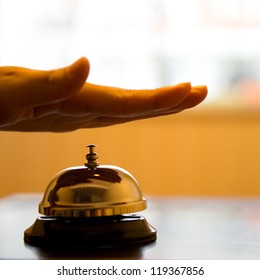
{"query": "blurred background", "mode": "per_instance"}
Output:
(212, 150)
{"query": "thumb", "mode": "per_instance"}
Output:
(46, 87)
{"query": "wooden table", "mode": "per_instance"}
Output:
(188, 228)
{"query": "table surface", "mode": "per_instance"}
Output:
(188, 228)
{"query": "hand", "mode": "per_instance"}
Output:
(61, 100)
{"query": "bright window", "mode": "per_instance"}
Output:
(141, 43)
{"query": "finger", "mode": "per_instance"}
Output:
(121, 102)
(111, 101)
(45, 87)
(198, 94)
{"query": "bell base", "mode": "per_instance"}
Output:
(98, 232)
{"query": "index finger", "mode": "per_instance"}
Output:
(111, 101)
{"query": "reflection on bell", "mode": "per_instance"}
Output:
(89, 206)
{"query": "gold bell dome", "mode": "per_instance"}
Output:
(92, 190)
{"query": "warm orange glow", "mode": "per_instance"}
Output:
(198, 152)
